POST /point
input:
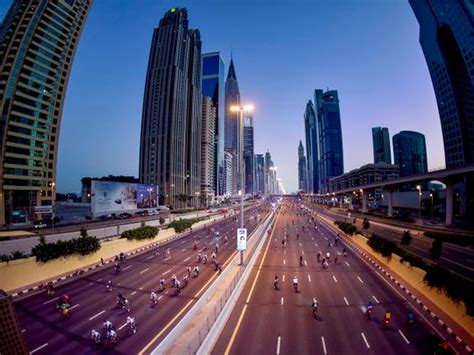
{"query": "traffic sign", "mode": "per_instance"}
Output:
(242, 239)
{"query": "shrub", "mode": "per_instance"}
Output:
(346, 227)
(18, 255)
(366, 223)
(145, 232)
(181, 225)
(382, 245)
(436, 249)
(406, 238)
(162, 221)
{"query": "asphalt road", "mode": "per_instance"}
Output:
(46, 332)
(269, 321)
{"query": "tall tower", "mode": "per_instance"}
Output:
(302, 185)
(232, 119)
(171, 119)
(207, 151)
(38, 41)
(249, 161)
(331, 158)
(409, 153)
(311, 134)
(259, 182)
(381, 145)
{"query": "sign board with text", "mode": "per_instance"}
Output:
(242, 239)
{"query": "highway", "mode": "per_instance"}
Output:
(269, 321)
(46, 332)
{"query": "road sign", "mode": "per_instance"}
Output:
(242, 239)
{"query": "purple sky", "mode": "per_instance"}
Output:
(368, 50)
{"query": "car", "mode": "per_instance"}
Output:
(124, 215)
(39, 224)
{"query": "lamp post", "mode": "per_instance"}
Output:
(418, 187)
(241, 110)
(52, 203)
(432, 207)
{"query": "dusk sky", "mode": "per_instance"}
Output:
(368, 50)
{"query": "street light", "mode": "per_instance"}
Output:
(52, 203)
(418, 187)
(432, 207)
(241, 110)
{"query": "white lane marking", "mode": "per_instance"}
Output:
(23, 330)
(278, 345)
(301, 245)
(141, 288)
(143, 271)
(334, 277)
(99, 280)
(345, 300)
(122, 326)
(98, 314)
(324, 346)
(282, 301)
(166, 272)
(38, 348)
(126, 268)
(365, 340)
(316, 244)
(183, 249)
(133, 293)
(403, 336)
(167, 258)
(360, 280)
(91, 283)
(284, 261)
(312, 238)
(184, 241)
(302, 252)
(151, 256)
(76, 305)
(283, 278)
(347, 263)
(159, 298)
(51, 300)
(187, 258)
(309, 278)
(375, 298)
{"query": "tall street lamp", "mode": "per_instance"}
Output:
(418, 187)
(52, 203)
(241, 110)
(432, 207)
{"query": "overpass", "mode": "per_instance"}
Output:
(449, 177)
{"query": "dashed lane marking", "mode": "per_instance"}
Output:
(360, 280)
(187, 258)
(151, 256)
(283, 278)
(143, 271)
(98, 314)
(76, 305)
(282, 301)
(309, 278)
(166, 272)
(122, 326)
(159, 298)
(91, 283)
(345, 300)
(133, 293)
(375, 299)
(324, 346)
(126, 268)
(51, 300)
(284, 261)
(365, 340)
(38, 348)
(278, 345)
(334, 277)
(403, 336)
(347, 263)
(23, 330)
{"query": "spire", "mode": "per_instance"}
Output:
(231, 73)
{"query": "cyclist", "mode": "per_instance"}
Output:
(314, 306)
(108, 286)
(295, 283)
(386, 318)
(275, 282)
(50, 291)
(95, 336)
(107, 325)
(131, 325)
(153, 298)
(112, 335)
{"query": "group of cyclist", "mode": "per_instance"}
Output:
(109, 333)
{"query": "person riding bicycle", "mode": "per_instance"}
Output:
(50, 291)
(295, 283)
(196, 271)
(108, 285)
(162, 284)
(153, 298)
(132, 326)
(112, 335)
(95, 336)
(301, 260)
(387, 317)
(275, 282)
(107, 325)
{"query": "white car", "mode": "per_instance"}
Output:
(39, 224)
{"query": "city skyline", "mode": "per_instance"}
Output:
(119, 118)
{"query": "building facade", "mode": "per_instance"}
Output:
(230, 175)
(259, 174)
(208, 170)
(312, 156)
(381, 145)
(269, 174)
(409, 153)
(302, 185)
(331, 157)
(38, 41)
(213, 86)
(249, 162)
(170, 141)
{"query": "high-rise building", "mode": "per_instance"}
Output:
(249, 154)
(170, 138)
(230, 172)
(38, 41)
(232, 119)
(208, 149)
(12, 341)
(270, 174)
(302, 186)
(259, 174)
(331, 157)
(446, 37)
(381, 145)
(312, 156)
(213, 86)
(409, 153)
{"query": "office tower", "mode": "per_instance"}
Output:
(171, 119)
(446, 37)
(208, 170)
(230, 175)
(302, 186)
(213, 86)
(312, 156)
(11, 341)
(381, 145)
(249, 154)
(38, 41)
(259, 174)
(331, 159)
(409, 153)
(232, 119)
(269, 172)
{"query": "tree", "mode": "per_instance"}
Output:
(366, 223)
(406, 238)
(436, 249)
(162, 221)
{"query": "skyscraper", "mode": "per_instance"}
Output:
(38, 41)
(409, 153)
(302, 186)
(331, 157)
(213, 86)
(171, 120)
(269, 174)
(311, 133)
(446, 37)
(381, 145)
(259, 174)
(208, 149)
(232, 119)
(249, 154)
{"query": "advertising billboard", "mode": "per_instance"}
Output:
(117, 197)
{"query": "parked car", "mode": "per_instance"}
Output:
(125, 215)
(39, 224)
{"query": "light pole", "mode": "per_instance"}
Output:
(418, 187)
(241, 110)
(52, 204)
(432, 207)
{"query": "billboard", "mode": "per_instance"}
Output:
(117, 197)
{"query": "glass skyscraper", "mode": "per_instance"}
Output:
(446, 37)
(170, 138)
(302, 186)
(259, 174)
(331, 157)
(409, 153)
(381, 145)
(213, 87)
(38, 41)
(249, 154)
(312, 156)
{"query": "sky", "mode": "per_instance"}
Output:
(283, 50)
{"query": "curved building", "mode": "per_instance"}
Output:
(38, 40)
(409, 153)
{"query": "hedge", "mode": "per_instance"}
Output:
(145, 232)
(346, 227)
(180, 225)
(382, 245)
(83, 245)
